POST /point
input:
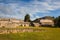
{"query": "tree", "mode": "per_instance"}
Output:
(57, 21)
(27, 18)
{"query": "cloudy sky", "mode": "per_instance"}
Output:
(36, 8)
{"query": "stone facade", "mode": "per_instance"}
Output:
(36, 24)
(47, 22)
(12, 23)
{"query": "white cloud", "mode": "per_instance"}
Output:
(19, 10)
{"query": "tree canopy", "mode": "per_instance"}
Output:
(27, 18)
(57, 21)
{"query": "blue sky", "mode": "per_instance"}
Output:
(36, 8)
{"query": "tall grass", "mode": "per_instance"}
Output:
(47, 34)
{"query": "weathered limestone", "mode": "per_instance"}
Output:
(13, 23)
(47, 22)
(36, 24)
(17, 30)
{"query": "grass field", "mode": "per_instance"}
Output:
(47, 34)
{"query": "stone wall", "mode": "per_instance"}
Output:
(47, 22)
(13, 23)
(17, 30)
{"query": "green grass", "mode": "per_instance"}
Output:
(46, 34)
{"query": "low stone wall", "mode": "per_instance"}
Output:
(18, 30)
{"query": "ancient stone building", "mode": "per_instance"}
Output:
(47, 22)
(13, 23)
